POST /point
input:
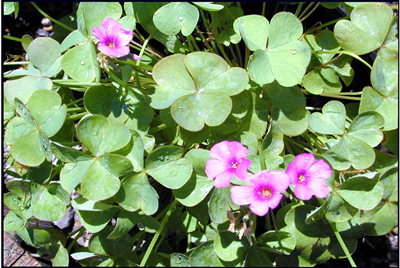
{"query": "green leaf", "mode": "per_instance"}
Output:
(174, 17)
(390, 184)
(369, 25)
(350, 152)
(256, 118)
(361, 192)
(137, 193)
(81, 64)
(198, 186)
(72, 174)
(209, 6)
(49, 206)
(386, 106)
(229, 246)
(61, 257)
(81, 203)
(366, 127)
(74, 38)
(24, 87)
(331, 120)
(257, 258)
(12, 222)
(206, 255)
(339, 210)
(172, 175)
(322, 80)
(100, 137)
(95, 221)
(282, 54)
(219, 204)
(101, 245)
(193, 111)
(43, 61)
(279, 242)
(179, 260)
(254, 30)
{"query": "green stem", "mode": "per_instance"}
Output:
(342, 244)
(143, 49)
(76, 116)
(340, 97)
(234, 55)
(261, 155)
(72, 143)
(16, 63)
(17, 39)
(52, 19)
(312, 11)
(346, 53)
(263, 9)
(298, 9)
(74, 102)
(193, 41)
(157, 234)
(239, 54)
(75, 109)
(119, 81)
(273, 219)
(204, 40)
(81, 230)
(224, 54)
(157, 128)
(305, 10)
(74, 83)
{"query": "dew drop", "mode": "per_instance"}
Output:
(82, 62)
(173, 173)
(294, 52)
(94, 133)
(180, 18)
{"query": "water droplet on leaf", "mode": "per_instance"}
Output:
(294, 52)
(180, 18)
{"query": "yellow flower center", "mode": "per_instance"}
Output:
(234, 165)
(112, 45)
(302, 178)
(266, 192)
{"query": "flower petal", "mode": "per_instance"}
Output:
(238, 150)
(121, 51)
(278, 180)
(106, 50)
(301, 191)
(318, 187)
(320, 169)
(292, 173)
(303, 162)
(99, 33)
(221, 151)
(125, 37)
(259, 207)
(223, 180)
(110, 25)
(214, 167)
(274, 200)
(241, 171)
(242, 195)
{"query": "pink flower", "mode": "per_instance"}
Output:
(309, 176)
(113, 39)
(229, 158)
(263, 192)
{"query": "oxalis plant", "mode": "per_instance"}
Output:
(187, 134)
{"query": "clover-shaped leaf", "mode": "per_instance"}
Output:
(198, 86)
(42, 67)
(136, 193)
(49, 205)
(174, 17)
(368, 28)
(29, 133)
(287, 106)
(354, 148)
(109, 102)
(331, 120)
(254, 30)
(98, 176)
(286, 58)
(167, 167)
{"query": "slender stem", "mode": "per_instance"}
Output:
(81, 230)
(273, 219)
(74, 83)
(72, 143)
(342, 244)
(193, 41)
(119, 81)
(76, 116)
(261, 155)
(16, 63)
(157, 128)
(340, 97)
(312, 11)
(298, 9)
(157, 234)
(52, 19)
(239, 54)
(204, 40)
(143, 49)
(323, 25)
(298, 144)
(75, 109)
(305, 10)
(343, 52)
(234, 55)
(74, 102)
(74, 232)
(189, 242)
(224, 54)
(263, 9)
(17, 39)
(148, 51)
